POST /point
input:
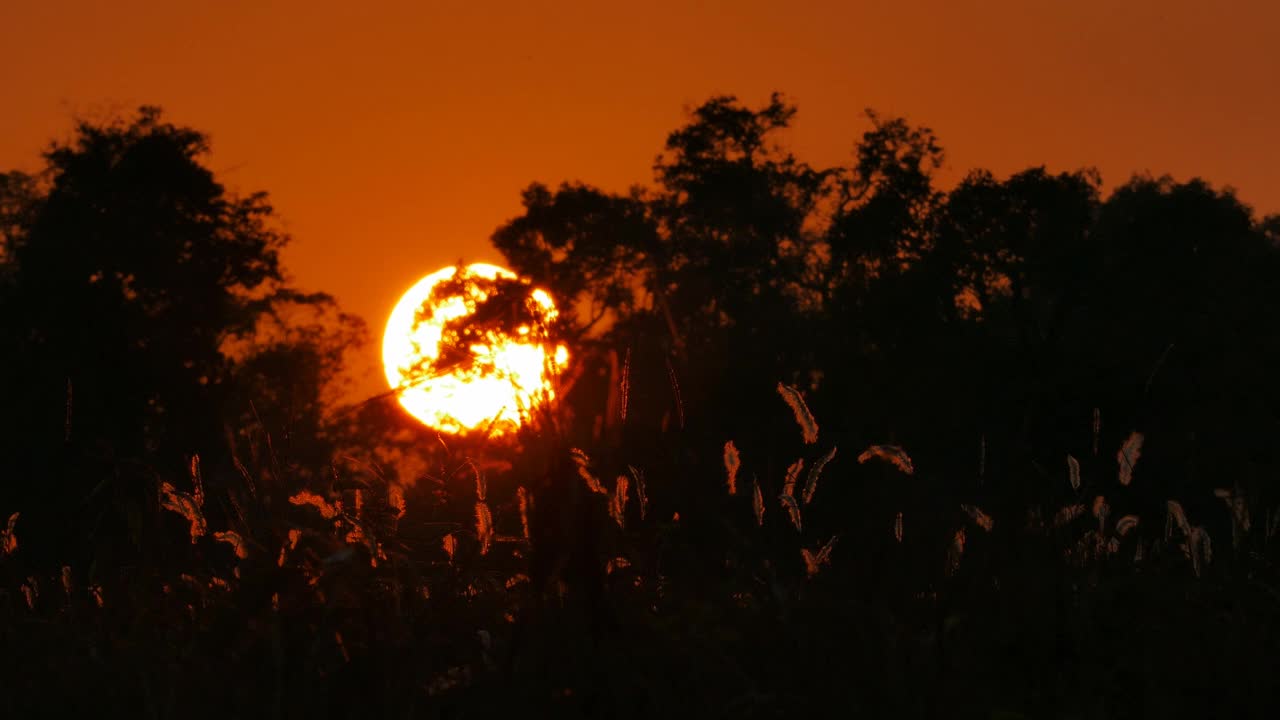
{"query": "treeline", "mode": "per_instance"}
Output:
(832, 437)
(992, 329)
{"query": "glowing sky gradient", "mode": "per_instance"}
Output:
(394, 137)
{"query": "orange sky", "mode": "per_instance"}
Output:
(394, 137)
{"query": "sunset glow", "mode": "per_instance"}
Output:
(502, 380)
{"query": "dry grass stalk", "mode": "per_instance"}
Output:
(1100, 511)
(1125, 524)
(624, 389)
(1175, 516)
(793, 476)
(1073, 472)
(1199, 549)
(9, 537)
(731, 464)
(342, 647)
(804, 418)
(813, 561)
(306, 497)
(233, 539)
(675, 389)
(1239, 509)
(186, 506)
(980, 518)
(1067, 514)
(484, 527)
(523, 500)
(811, 483)
(583, 462)
(482, 485)
(618, 501)
(395, 499)
(956, 551)
(890, 453)
(197, 482)
(641, 496)
(1127, 456)
(793, 510)
(897, 527)
(289, 544)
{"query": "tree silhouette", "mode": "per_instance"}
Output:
(146, 317)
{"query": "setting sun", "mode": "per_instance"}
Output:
(498, 374)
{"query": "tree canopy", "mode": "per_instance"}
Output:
(997, 312)
(147, 319)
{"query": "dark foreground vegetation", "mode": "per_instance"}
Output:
(834, 441)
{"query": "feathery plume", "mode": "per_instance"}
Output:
(641, 496)
(793, 510)
(897, 527)
(306, 497)
(1199, 548)
(583, 462)
(793, 475)
(891, 453)
(522, 499)
(731, 464)
(1175, 516)
(8, 537)
(1100, 511)
(1127, 456)
(482, 485)
(450, 544)
(811, 483)
(804, 418)
(395, 499)
(813, 561)
(1073, 472)
(233, 539)
(1239, 509)
(1125, 524)
(484, 527)
(197, 483)
(624, 389)
(618, 501)
(980, 518)
(955, 551)
(1068, 514)
(186, 506)
(289, 544)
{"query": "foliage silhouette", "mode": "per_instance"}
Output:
(146, 320)
(928, 394)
